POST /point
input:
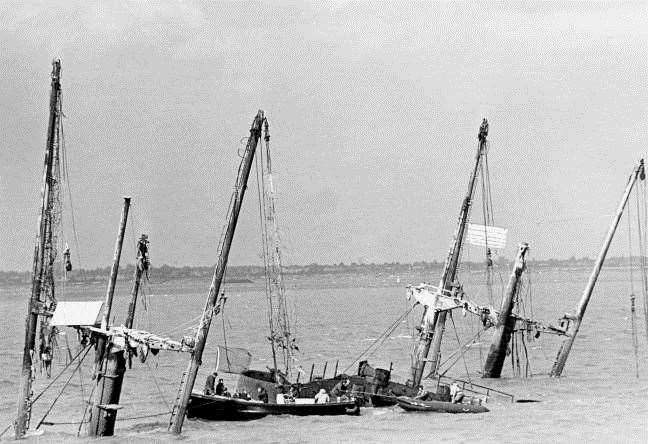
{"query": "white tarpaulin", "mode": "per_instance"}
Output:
(70, 313)
(484, 235)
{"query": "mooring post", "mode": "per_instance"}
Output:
(505, 322)
(110, 363)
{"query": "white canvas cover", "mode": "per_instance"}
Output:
(72, 313)
(486, 235)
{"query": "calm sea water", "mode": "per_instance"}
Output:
(599, 399)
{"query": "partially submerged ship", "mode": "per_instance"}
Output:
(275, 382)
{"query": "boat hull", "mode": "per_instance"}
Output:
(416, 405)
(220, 408)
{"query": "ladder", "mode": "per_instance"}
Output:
(176, 403)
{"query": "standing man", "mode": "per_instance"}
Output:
(262, 395)
(209, 384)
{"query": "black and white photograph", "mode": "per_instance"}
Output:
(336, 221)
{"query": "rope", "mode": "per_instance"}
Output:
(66, 175)
(462, 352)
(384, 335)
(5, 430)
(456, 352)
(63, 389)
(57, 376)
(644, 279)
(158, 387)
(85, 411)
(265, 253)
(635, 344)
(128, 418)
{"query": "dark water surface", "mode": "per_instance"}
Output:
(599, 399)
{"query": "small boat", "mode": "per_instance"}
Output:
(417, 405)
(214, 408)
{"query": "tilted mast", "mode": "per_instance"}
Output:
(212, 304)
(431, 332)
(505, 322)
(576, 319)
(42, 300)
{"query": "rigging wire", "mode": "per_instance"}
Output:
(63, 389)
(157, 386)
(66, 175)
(265, 252)
(381, 338)
(642, 257)
(459, 342)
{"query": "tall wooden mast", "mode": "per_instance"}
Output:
(505, 322)
(110, 363)
(43, 255)
(576, 319)
(211, 307)
(431, 330)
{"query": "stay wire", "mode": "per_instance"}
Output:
(382, 336)
(462, 352)
(67, 185)
(37, 397)
(63, 389)
(157, 386)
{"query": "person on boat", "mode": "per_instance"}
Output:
(422, 394)
(341, 389)
(226, 393)
(220, 387)
(46, 357)
(243, 395)
(262, 395)
(209, 384)
(456, 394)
(322, 397)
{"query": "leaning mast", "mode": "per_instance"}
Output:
(44, 254)
(576, 319)
(213, 303)
(431, 331)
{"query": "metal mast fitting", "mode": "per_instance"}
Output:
(575, 320)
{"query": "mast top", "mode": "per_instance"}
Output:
(642, 171)
(56, 70)
(483, 130)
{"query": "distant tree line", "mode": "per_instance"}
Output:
(247, 273)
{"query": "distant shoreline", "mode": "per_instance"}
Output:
(245, 274)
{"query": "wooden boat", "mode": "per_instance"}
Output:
(417, 405)
(215, 408)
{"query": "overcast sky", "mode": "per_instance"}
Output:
(374, 110)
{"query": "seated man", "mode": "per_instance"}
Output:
(322, 397)
(456, 394)
(209, 384)
(341, 389)
(220, 387)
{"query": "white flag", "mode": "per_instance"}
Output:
(484, 235)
